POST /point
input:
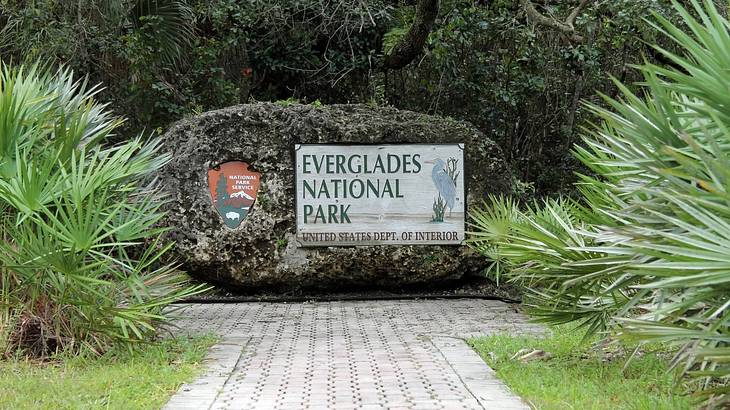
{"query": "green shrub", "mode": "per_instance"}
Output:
(80, 257)
(646, 251)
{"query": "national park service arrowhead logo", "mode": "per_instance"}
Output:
(233, 189)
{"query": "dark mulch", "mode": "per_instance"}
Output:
(468, 287)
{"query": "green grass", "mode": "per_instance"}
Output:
(579, 376)
(144, 379)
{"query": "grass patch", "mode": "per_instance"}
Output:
(581, 377)
(144, 379)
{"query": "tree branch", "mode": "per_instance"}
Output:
(566, 27)
(412, 43)
(576, 11)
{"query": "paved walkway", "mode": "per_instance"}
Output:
(348, 355)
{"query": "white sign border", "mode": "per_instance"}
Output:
(300, 244)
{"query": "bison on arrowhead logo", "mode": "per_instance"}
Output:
(233, 189)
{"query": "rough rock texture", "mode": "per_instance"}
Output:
(262, 251)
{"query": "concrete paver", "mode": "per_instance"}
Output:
(351, 355)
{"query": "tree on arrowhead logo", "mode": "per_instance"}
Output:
(233, 189)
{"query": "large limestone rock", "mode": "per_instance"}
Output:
(262, 251)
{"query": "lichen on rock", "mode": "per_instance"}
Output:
(262, 252)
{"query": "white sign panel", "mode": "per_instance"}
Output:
(380, 194)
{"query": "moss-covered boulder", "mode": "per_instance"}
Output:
(261, 251)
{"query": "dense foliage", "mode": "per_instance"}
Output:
(645, 252)
(485, 61)
(73, 211)
(522, 83)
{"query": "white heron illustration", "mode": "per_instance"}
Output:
(444, 184)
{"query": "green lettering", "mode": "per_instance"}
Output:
(365, 163)
(358, 168)
(360, 191)
(379, 164)
(372, 188)
(332, 214)
(336, 183)
(305, 164)
(340, 163)
(343, 214)
(320, 215)
(416, 163)
(323, 190)
(393, 168)
(386, 187)
(308, 210)
(318, 165)
(308, 188)
(406, 163)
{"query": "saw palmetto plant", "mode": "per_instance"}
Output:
(645, 252)
(80, 260)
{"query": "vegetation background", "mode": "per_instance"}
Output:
(516, 69)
